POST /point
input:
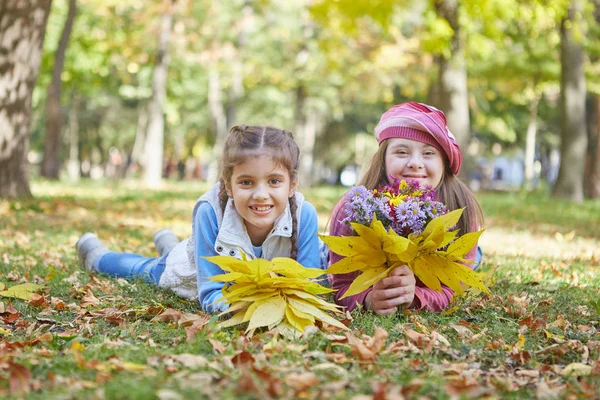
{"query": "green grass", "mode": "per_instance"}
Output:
(542, 260)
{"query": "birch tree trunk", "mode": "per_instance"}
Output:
(73, 166)
(22, 29)
(593, 178)
(51, 161)
(452, 97)
(530, 143)
(219, 117)
(154, 143)
(569, 183)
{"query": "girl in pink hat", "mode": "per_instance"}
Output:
(414, 144)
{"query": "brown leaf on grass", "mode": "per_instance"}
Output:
(38, 300)
(11, 309)
(418, 339)
(188, 319)
(559, 323)
(19, 379)
(596, 368)
(548, 302)
(545, 392)
(301, 381)
(169, 315)
(193, 323)
(115, 319)
(58, 304)
(369, 348)
(521, 357)
(89, 299)
(260, 382)
(461, 386)
(190, 360)
(529, 373)
(495, 344)
(242, 358)
(154, 310)
(385, 391)
(463, 331)
(517, 306)
(217, 346)
(532, 323)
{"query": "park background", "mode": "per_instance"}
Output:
(112, 117)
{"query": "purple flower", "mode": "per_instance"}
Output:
(406, 207)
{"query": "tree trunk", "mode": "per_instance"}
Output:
(22, 29)
(301, 133)
(530, 143)
(73, 166)
(452, 93)
(219, 117)
(569, 183)
(136, 158)
(51, 162)
(154, 145)
(593, 178)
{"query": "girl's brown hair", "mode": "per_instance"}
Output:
(248, 141)
(451, 191)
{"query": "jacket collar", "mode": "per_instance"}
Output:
(233, 234)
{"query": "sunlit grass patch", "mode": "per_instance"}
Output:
(542, 316)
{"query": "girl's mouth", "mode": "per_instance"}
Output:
(261, 208)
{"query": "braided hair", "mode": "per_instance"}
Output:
(247, 141)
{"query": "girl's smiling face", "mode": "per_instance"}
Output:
(412, 160)
(260, 189)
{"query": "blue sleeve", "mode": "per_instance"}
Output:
(205, 232)
(308, 241)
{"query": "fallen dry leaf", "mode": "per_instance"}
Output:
(301, 381)
(190, 360)
(19, 379)
(463, 331)
(89, 299)
(169, 315)
(369, 349)
(217, 346)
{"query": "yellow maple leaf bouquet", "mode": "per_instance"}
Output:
(279, 294)
(403, 223)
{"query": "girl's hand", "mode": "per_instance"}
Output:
(398, 289)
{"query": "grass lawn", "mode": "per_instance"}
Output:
(84, 336)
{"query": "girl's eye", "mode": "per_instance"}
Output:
(275, 181)
(429, 153)
(245, 183)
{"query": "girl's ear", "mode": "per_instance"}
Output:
(293, 187)
(228, 190)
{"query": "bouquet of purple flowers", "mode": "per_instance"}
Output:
(403, 206)
(403, 223)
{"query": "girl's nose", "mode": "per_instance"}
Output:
(260, 193)
(415, 161)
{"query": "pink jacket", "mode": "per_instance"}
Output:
(424, 296)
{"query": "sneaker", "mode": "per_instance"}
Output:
(89, 249)
(165, 240)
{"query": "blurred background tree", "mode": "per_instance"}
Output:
(518, 80)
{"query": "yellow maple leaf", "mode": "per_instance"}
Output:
(22, 291)
(375, 252)
(280, 294)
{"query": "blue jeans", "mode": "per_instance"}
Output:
(131, 266)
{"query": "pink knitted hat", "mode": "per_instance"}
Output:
(423, 123)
